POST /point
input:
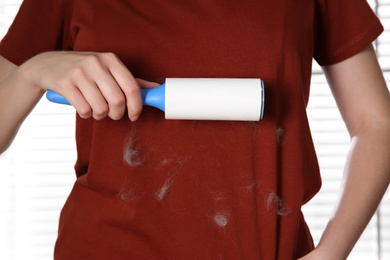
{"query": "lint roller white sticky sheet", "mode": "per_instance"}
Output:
(214, 99)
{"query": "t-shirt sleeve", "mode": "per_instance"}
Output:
(39, 26)
(343, 28)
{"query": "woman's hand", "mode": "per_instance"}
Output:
(96, 84)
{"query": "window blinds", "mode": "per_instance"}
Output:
(36, 173)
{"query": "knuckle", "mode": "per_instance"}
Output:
(77, 72)
(117, 107)
(91, 61)
(132, 90)
(118, 101)
(84, 112)
(110, 56)
(116, 116)
(100, 111)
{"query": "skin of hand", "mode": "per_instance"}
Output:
(364, 102)
(96, 84)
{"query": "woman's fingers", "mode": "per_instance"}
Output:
(94, 98)
(146, 84)
(109, 89)
(79, 102)
(128, 85)
(96, 84)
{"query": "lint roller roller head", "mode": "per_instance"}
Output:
(214, 99)
(202, 99)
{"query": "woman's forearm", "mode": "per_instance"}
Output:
(365, 180)
(17, 99)
(364, 102)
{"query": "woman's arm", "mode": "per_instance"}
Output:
(96, 84)
(364, 102)
(16, 102)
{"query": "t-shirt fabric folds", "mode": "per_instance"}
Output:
(184, 189)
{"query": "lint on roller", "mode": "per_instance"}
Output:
(202, 98)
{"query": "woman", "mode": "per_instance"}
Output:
(152, 188)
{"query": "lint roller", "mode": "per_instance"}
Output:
(202, 98)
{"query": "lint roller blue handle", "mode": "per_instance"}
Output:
(56, 98)
(154, 97)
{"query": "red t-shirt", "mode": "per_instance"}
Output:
(195, 189)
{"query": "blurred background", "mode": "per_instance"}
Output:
(36, 173)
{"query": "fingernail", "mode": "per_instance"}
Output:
(134, 118)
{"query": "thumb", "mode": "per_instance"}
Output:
(146, 84)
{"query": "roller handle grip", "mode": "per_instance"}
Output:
(154, 97)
